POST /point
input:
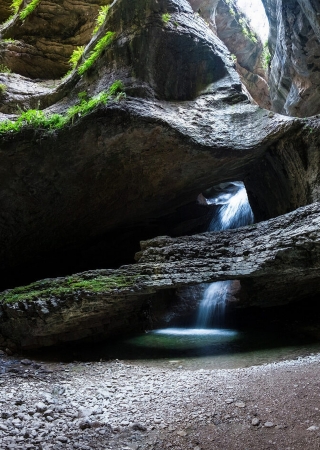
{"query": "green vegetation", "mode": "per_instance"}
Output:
(67, 286)
(242, 21)
(39, 119)
(234, 58)
(246, 31)
(165, 17)
(266, 56)
(98, 49)
(4, 69)
(3, 89)
(15, 5)
(29, 9)
(76, 55)
(8, 40)
(103, 12)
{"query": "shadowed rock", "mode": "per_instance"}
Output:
(276, 262)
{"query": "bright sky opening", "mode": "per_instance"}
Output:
(255, 12)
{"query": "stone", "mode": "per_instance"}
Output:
(229, 401)
(182, 433)
(41, 407)
(255, 422)
(268, 424)
(240, 404)
(313, 428)
(26, 362)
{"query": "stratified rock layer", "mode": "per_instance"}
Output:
(184, 126)
(294, 39)
(40, 46)
(277, 261)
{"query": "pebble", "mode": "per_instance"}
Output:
(269, 424)
(313, 428)
(181, 433)
(94, 404)
(240, 404)
(26, 362)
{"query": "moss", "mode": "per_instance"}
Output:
(29, 9)
(66, 287)
(40, 120)
(102, 44)
(103, 12)
(165, 17)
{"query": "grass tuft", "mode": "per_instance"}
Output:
(40, 120)
(103, 12)
(98, 49)
(29, 9)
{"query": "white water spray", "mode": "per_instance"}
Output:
(234, 212)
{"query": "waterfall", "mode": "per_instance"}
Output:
(233, 211)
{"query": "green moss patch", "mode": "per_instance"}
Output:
(66, 287)
(101, 45)
(40, 120)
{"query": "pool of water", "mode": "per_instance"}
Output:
(215, 348)
(193, 348)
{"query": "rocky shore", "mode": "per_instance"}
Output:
(119, 406)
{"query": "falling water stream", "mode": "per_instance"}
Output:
(234, 211)
(253, 337)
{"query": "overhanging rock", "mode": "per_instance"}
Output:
(277, 261)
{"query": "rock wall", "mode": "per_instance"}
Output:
(129, 169)
(40, 46)
(277, 261)
(294, 39)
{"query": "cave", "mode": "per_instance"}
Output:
(159, 196)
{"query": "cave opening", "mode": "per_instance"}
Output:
(255, 12)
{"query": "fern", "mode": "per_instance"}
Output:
(15, 5)
(39, 119)
(103, 12)
(29, 9)
(76, 55)
(98, 49)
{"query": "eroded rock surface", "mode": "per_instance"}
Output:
(294, 39)
(184, 126)
(276, 262)
(40, 46)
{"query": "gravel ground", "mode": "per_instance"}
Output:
(117, 406)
